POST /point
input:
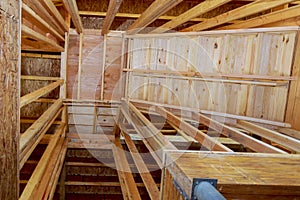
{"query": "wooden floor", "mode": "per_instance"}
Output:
(239, 175)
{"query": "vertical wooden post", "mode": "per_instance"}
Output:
(103, 67)
(10, 57)
(79, 65)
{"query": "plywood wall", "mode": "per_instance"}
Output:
(9, 98)
(90, 74)
(223, 59)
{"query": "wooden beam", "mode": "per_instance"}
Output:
(112, 10)
(143, 169)
(32, 16)
(196, 11)
(156, 9)
(35, 179)
(202, 138)
(39, 78)
(10, 67)
(128, 185)
(28, 98)
(266, 19)
(249, 9)
(72, 8)
(290, 132)
(28, 32)
(283, 140)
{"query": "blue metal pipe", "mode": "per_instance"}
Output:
(205, 191)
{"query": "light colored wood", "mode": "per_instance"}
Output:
(266, 19)
(27, 32)
(155, 10)
(28, 98)
(196, 11)
(205, 140)
(37, 55)
(143, 169)
(63, 68)
(290, 132)
(112, 10)
(27, 11)
(79, 66)
(103, 67)
(128, 185)
(72, 8)
(40, 78)
(249, 9)
(283, 140)
(35, 179)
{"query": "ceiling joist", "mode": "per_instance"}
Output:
(72, 8)
(155, 10)
(196, 11)
(113, 8)
(244, 11)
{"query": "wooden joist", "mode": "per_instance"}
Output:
(34, 182)
(72, 8)
(249, 9)
(127, 182)
(28, 98)
(142, 168)
(205, 140)
(39, 78)
(29, 33)
(279, 15)
(29, 14)
(196, 11)
(290, 132)
(112, 10)
(283, 140)
(156, 9)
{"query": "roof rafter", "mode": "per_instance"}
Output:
(249, 9)
(113, 8)
(155, 10)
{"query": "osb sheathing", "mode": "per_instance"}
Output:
(9, 98)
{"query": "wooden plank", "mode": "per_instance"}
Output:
(35, 179)
(143, 169)
(63, 68)
(10, 62)
(205, 140)
(28, 98)
(290, 132)
(33, 16)
(103, 67)
(39, 124)
(112, 10)
(40, 78)
(79, 65)
(27, 32)
(128, 185)
(72, 8)
(271, 135)
(249, 9)
(156, 9)
(196, 11)
(266, 19)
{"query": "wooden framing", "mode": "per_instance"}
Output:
(156, 9)
(196, 11)
(249, 9)
(112, 10)
(10, 62)
(27, 99)
(72, 8)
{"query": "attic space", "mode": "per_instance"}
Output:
(149, 99)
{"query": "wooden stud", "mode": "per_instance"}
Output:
(39, 78)
(79, 65)
(72, 8)
(63, 68)
(112, 10)
(196, 11)
(249, 9)
(155, 10)
(28, 98)
(103, 67)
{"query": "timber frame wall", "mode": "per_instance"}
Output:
(36, 150)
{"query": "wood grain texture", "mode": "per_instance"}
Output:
(9, 98)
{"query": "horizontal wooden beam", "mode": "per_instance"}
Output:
(196, 11)
(72, 8)
(202, 138)
(32, 16)
(266, 19)
(154, 11)
(281, 139)
(39, 78)
(29, 98)
(112, 10)
(29, 33)
(249, 9)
